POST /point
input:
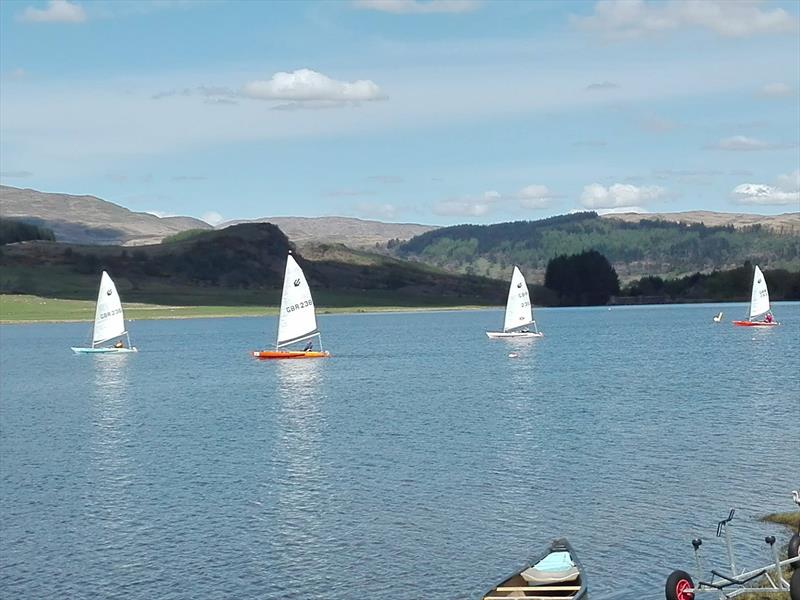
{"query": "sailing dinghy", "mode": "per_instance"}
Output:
(297, 321)
(109, 322)
(556, 574)
(519, 314)
(760, 313)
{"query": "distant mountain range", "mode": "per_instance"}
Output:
(238, 265)
(356, 233)
(90, 220)
(663, 244)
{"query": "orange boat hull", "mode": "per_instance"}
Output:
(289, 354)
(754, 324)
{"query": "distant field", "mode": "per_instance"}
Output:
(24, 309)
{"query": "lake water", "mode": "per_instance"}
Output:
(419, 462)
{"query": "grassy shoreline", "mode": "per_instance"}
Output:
(21, 309)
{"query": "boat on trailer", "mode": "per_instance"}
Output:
(760, 314)
(556, 574)
(519, 313)
(109, 322)
(297, 321)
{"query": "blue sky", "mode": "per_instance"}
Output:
(440, 111)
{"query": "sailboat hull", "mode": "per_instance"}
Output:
(103, 350)
(289, 354)
(494, 335)
(755, 324)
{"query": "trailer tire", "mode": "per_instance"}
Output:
(794, 585)
(677, 584)
(794, 549)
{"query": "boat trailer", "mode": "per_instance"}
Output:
(765, 580)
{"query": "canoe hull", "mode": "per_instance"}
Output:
(497, 335)
(516, 586)
(104, 350)
(755, 324)
(278, 354)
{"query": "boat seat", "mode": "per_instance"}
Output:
(554, 568)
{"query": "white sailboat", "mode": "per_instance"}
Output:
(109, 321)
(760, 314)
(297, 321)
(519, 313)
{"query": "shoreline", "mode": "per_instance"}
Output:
(32, 308)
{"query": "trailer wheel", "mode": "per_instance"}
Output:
(794, 549)
(678, 583)
(794, 585)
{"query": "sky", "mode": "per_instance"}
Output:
(427, 111)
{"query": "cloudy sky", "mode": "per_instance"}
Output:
(438, 111)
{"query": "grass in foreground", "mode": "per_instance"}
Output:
(791, 520)
(31, 309)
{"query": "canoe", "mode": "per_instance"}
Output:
(755, 323)
(557, 573)
(289, 354)
(103, 350)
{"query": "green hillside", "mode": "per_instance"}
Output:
(636, 249)
(238, 265)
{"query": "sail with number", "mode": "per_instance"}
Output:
(519, 314)
(518, 306)
(760, 314)
(109, 321)
(297, 320)
(759, 300)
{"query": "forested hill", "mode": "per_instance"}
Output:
(239, 265)
(647, 247)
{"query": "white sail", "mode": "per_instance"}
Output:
(109, 321)
(759, 301)
(297, 319)
(518, 307)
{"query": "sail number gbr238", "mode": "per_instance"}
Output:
(299, 305)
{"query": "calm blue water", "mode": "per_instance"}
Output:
(420, 461)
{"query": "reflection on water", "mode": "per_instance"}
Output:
(301, 482)
(110, 508)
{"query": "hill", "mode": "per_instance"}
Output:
(356, 233)
(238, 265)
(90, 220)
(786, 223)
(635, 249)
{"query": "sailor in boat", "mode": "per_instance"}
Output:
(768, 317)
(119, 344)
(309, 346)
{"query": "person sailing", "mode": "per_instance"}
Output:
(309, 346)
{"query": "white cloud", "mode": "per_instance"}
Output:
(212, 218)
(757, 193)
(407, 7)
(790, 182)
(787, 191)
(305, 85)
(376, 210)
(535, 197)
(597, 196)
(603, 85)
(468, 207)
(625, 19)
(622, 209)
(57, 11)
(741, 143)
(532, 197)
(776, 90)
